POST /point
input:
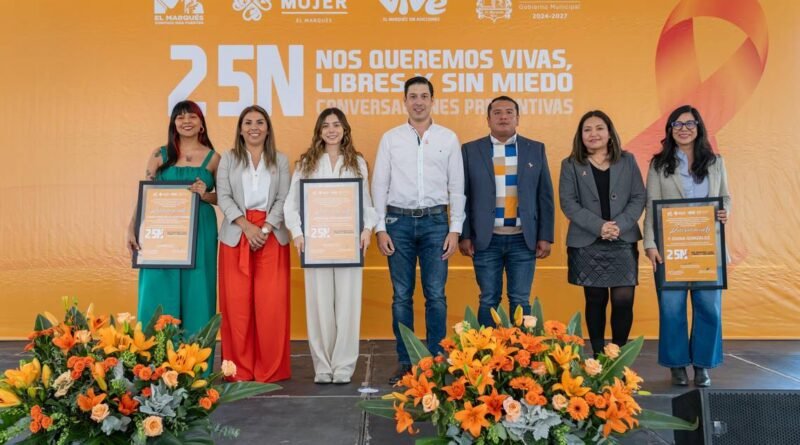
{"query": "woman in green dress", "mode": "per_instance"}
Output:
(187, 294)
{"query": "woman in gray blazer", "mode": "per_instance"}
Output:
(602, 194)
(252, 184)
(686, 167)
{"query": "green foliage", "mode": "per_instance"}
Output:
(659, 421)
(627, 355)
(231, 392)
(471, 319)
(416, 349)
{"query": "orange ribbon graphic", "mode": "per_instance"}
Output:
(678, 80)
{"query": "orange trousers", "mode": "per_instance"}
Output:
(254, 302)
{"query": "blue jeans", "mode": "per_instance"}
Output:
(509, 252)
(675, 348)
(421, 238)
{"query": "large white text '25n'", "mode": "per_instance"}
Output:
(271, 71)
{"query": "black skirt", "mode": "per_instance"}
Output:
(604, 264)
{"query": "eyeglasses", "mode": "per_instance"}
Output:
(690, 125)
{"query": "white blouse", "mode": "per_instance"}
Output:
(291, 208)
(255, 182)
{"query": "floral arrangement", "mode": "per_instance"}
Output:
(522, 382)
(104, 380)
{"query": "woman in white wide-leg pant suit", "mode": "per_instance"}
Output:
(333, 295)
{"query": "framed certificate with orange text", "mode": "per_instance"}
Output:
(166, 225)
(331, 211)
(691, 242)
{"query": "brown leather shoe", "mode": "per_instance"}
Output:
(402, 370)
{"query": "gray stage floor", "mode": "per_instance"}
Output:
(306, 413)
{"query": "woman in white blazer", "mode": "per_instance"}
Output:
(252, 184)
(686, 167)
(333, 295)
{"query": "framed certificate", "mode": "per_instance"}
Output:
(331, 211)
(691, 242)
(166, 225)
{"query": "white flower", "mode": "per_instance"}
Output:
(125, 317)
(228, 368)
(592, 366)
(429, 402)
(62, 384)
(528, 321)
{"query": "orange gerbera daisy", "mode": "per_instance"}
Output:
(404, 420)
(89, 401)
(523, 358)
(165, 320)
(494, 403)
(447, 344)
(473, 419)
(555, 328)
(578, 409)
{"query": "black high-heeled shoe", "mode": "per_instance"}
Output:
(701, 378)
(679, 376)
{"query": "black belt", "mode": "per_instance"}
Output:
(417, 213)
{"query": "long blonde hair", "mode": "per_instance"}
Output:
(309, 160)
(240, 148)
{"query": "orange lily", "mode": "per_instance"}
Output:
(95, 323)
(165, 320)
(66, 340)
(494, 403)
(108, 340)
(420, 388)
(8, 399)
(563, 356)
(126, 405)
(140, 344)
(473, 419)
(90, 400)
(404, 420)
(632, 379)
(572, 387)
(479, 340)
(187, 358)
(25, 376)
(480, 376)
(459, 359)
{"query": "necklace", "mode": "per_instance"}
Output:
(600, 165)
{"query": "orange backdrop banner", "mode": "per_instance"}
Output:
(86, 90)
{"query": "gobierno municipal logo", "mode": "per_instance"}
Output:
(414, 10)
(178, 12)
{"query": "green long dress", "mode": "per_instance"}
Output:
(187, 294)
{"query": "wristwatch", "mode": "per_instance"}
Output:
(265, 230)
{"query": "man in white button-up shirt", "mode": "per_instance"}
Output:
(418, 174)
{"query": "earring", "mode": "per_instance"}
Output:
(202, 130)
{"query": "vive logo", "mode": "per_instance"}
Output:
(403, 7)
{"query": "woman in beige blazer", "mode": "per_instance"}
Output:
(686, 167)
(252, 184)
